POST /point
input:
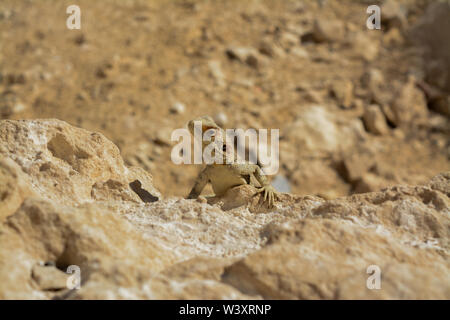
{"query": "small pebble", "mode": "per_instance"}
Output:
(178, 108)
(221, 119)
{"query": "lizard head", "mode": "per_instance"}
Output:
(217, 135)
(206, 122)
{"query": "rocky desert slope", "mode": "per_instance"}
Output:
(339, 93)
(86, 179)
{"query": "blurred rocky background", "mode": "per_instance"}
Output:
(358, 110)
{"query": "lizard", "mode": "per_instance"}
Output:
(228, 174)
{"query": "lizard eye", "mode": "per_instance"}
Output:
(224, 148)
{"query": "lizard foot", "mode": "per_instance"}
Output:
(270, 195)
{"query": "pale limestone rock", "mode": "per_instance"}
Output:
(111, 222)
(215, 69)
(221, 119)
(288, 40)
(85, 236)
(49, 277)
(319, 130)
(326, 259)
(328, 30)
(178, 108)
(299, 52)
(342, 90)
(14, 187)
(374, 120)
(373, 78)
(410, 105)
(364, 46)
(356, 164)
(67, 164)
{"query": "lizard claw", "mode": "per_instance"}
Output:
(270, 195)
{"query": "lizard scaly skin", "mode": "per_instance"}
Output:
(228, 175)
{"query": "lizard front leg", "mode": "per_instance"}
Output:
(199, 185)
(270, 194)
